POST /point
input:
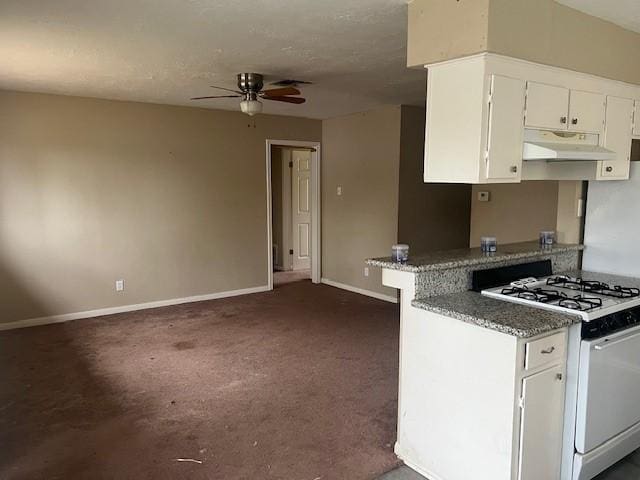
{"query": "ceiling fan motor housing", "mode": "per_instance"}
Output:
(250, 82)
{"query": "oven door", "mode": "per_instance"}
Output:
(608, 388)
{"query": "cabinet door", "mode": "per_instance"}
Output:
(505, 129)
(547, 106)
(636, 119)
(586, 112)
(541, 425)
(617, 137)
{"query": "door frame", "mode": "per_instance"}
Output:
(315, 207)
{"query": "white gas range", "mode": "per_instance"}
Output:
(602, 406)
(590, 299)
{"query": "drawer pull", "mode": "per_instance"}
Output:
(548, 351)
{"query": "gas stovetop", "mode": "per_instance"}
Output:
(583, 297)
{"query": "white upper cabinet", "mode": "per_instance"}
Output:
(474, 125)
(481, 109)
(586, 112)
(504, 145)
(617, 137)
(558, 108)
(547, 106)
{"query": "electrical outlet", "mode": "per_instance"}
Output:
(366, 271)
(339, 191)
(119, 285)
(484, 196)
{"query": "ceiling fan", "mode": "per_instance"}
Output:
(250, 89)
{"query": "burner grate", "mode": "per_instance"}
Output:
(541, 295)
(589, 286)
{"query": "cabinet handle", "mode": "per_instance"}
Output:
(514, 169)
(609, 169)
(574, 121)
(547, 351)
(563, 120)
(559, 376)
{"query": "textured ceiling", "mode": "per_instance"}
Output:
(625, 13)
(165, 51)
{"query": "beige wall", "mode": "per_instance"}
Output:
(516, 212)
(569, 224)
(431, 216)
(443, 29)
(546, 32)
(541, 31)
(171, 199)
(360, 153)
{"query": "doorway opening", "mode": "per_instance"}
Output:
(293, 211)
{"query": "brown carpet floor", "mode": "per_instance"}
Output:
(299, 383)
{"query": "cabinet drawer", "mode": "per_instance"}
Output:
(544, 350)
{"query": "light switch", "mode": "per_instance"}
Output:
(339, 190)
(119, 285)
(484, 196)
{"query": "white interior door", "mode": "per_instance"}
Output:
(301, 208)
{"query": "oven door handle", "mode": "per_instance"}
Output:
(610, 343)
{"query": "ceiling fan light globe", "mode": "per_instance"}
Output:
(251, 107)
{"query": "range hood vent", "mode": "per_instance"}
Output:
(563, 146)
(565, 152)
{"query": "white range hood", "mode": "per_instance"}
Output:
(564, 152)
(563, 147)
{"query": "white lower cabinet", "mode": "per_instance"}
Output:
(478, 404)
(542, 408)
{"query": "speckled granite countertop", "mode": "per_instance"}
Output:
(506, 317)
(470, 256)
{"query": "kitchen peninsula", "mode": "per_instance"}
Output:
(469, 364)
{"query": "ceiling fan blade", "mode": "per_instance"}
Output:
(217, 96)
(227, 89)
(287, 99)
(278, 92)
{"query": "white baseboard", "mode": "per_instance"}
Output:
(361, 291)
(397, 449)
(32, 322)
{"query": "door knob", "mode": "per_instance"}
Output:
(609, 169)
